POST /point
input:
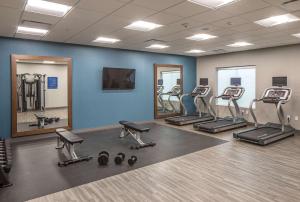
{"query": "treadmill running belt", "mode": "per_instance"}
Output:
(215, 124)
(184, 118)
(254, 135)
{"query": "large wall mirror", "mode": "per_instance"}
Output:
(168, 84)
(41, 94)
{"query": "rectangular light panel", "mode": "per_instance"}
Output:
(277, 20)
(31, 31)
(213, 4)
(195, 51)
(106, 40)
(240, 44)
(201, 37)
(143, 26)
(158, 46)
(297, 35)
(47, 8)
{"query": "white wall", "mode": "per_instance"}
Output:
(279, 61)
(54, 97)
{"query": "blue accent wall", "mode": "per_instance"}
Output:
(93, 107)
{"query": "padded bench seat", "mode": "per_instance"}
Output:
(134, 126)
(68, 136)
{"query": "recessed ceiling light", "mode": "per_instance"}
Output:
(201, 37)
(143, 26)
(296, 35)
(277, 20)
(106, 40)
(158, 46)
(47, 8)
(31, 31)
(240, 44)
(195, 51)
(213, 4)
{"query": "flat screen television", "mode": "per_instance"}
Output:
(203, 82)
(279, 81)
(118, 79)
(235, 81)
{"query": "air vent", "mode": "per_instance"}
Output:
(289, 2)
(291, 5)
(219, 51)
(35, 24)
(155, 41)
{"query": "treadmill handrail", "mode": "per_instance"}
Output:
(185, 113)
(252, 112)
(280, 114)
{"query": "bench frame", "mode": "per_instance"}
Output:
(70, 147)
(125, 131)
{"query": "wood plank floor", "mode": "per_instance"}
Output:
(234, 171)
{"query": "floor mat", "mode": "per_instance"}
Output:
(35, 172)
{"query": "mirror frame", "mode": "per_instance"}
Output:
(156, 66)
(14, 60)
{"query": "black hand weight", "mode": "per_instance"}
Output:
(132, 160)
(119, 158)
(103, 158)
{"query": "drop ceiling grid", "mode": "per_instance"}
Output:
(180, 18)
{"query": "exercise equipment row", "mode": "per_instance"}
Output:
(5, 162)
(103, 159)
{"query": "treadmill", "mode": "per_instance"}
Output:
(199, 93)
(232, 94)
(270, 132)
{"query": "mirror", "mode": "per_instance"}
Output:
(168, 84)
(41, 94)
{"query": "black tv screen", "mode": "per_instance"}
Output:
(236, 81)
(203, 81)
(118, 79)
(279, 81)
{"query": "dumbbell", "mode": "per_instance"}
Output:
(119, 158)
(132, 160)
(103, 158)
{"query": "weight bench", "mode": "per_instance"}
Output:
(130, 128)
(68, 139)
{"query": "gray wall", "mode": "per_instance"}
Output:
(279, 61)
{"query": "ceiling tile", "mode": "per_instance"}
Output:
(231, 22)
(76, 21)
(244, 6)
(291, 6)
(163, 18)
(133, 12)
(186, 9)
(157, 5)
(102, 6)
(19, 4)
(263, 13)
(246, 27)
(9, 19)
(211, 16)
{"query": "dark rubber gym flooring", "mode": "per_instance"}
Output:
(35, 172)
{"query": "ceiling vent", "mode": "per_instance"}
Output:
(35, 24)
(291, 5)
(155, 41)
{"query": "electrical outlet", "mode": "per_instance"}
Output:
(296, 118)
(289, 118)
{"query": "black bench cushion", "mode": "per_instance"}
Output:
(68, 136)
(134, 126)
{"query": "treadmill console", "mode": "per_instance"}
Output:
(274, 95)
(175, 91)
(202, 91)
(233, 92)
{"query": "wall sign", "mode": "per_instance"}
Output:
(52, 82)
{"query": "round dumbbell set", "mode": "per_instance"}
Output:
(103, 159)
(5, 162)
